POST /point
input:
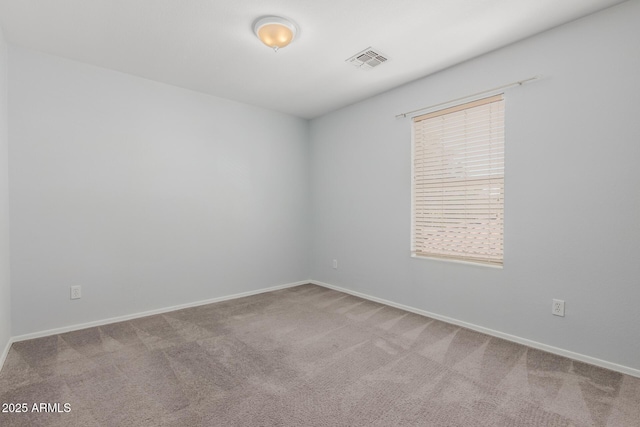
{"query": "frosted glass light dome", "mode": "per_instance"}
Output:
(275, 32)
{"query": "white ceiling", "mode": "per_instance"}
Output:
(209, 45)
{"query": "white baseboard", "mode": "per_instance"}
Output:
(529, 343)
(76, 327)
(5, 352)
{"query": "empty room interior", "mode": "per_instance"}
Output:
(199, 226)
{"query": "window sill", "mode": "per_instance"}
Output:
(458, 261)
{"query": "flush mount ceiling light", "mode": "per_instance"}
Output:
(274, 31)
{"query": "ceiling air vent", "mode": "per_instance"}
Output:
(368, 58)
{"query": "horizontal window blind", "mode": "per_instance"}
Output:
(458, 182)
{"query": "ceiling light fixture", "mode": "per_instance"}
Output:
(274, 31)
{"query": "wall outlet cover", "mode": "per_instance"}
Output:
(557, 308)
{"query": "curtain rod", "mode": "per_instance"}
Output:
(507, 86)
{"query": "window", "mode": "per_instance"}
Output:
(458, 182)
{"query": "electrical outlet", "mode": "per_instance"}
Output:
(76, 292)
(557, 308)
(335, 263)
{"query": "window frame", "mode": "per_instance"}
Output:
(489, 261)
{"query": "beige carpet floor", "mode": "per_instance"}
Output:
(304, 356)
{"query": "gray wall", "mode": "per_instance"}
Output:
(5, 291)
(146, 195)
(572, 193)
